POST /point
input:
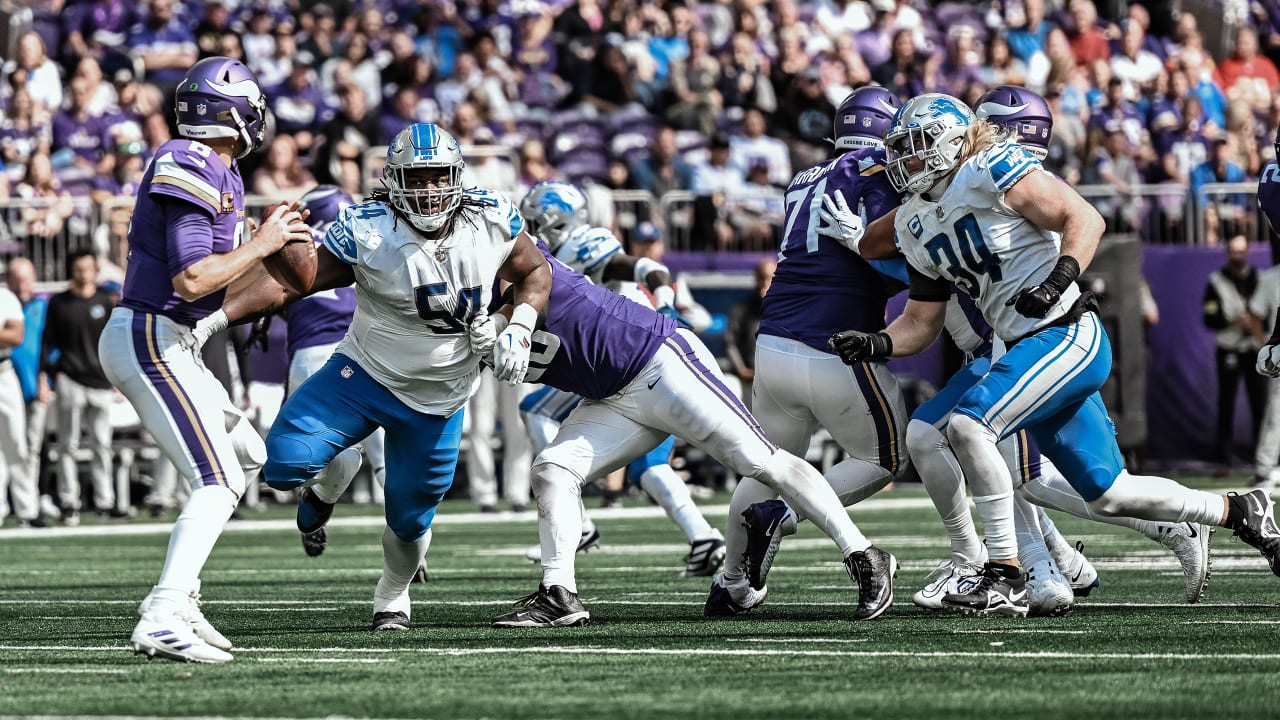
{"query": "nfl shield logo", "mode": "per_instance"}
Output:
(939, 212)
(866, 121)
(201, 109)
(347, 372)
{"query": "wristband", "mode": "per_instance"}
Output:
(1063, 274)
(525, 316)
(664, 296)
(881, 345)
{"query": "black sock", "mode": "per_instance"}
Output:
(1236, 511)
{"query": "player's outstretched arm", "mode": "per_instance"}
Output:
(910, 333)
(652, 275)
(877, 240)
(215, 272)
(530, 276)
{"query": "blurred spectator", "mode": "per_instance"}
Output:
(346, 138)
(364, 70)
(32, 69)
(804, 116)
(1112, 163)
(1134, 65)
(98, 28)
(534, 167)
(25, 131)
(257, 39)
(164, 45)
(399, 71)
(299, 105)
(610, 86)
(756, 212)
(127, 167)
(321, 40)
(1088, 41)
(13, 430)
(693, 84)
(1117, 111)
(662, 169)
(1027, 38)
(714, 181)
(282, 175)
(744, 77)
(903, 74)
(962, 65)
(1229, 214)
(81, 132)
(275, 68)
(535, 57)
(1200, 74)
(48, 206)
(229, 45)
(1241, 128)
(400, 111)
(35, 390)
(740, 331)
(1066, 146)
(753, 146)
(155, 132)
(1246, 75)
(102, 97)
(215, 20)
(482, 170)
(1002, 67)
(842, 17)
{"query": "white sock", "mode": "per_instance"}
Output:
(559, 522)
(1053, 491)
(1059, 548)
(669, 491)
(855, 480)
(940, 472)
(194, 535)
(988, 475)
(1031, 545)
(400, 561)
(748, 492)
(1157, 498)
(809, 495)
(330, 483)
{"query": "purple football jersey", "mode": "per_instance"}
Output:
(820, 287)
(320, 319)
(605, 338)
(87, 137)
(184, 172)
(1269, 195)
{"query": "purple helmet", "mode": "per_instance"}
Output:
(220, 97)
(324, 202)
(1019, 110)
(864, 118)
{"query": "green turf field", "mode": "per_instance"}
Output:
(1133, 649)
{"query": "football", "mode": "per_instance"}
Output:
(294, 265)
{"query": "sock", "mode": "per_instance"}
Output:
(940, 472)
(855, 480)
(668, 490)
(1026, 523)
(1059, 548)
(748, 492)
(588, 525)
(1054, 492)
(194, 535)
(809, 495)
(1157, 498)
(988, 475)
(559, 522)
(400, 561)
(330, 483)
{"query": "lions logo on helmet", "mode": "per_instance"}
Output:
(553, 209)
(423, 175)
(929, 129)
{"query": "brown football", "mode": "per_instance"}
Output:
(294, 265)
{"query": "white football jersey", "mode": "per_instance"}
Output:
(970, 237)
(415, 298)
(587, 249)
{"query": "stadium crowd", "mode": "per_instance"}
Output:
(725, 100)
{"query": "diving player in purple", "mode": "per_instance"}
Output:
(185, 248)
(643, 379)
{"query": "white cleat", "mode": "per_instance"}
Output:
(1190, 544)
(1048, 592)
(949, 577)
(195, 619)
(1078, 571)
(171, 638)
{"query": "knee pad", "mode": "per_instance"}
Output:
(965, 429)
(923, 438)
(544, 474)
(288, 462)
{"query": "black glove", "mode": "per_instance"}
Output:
(1036, 302)
(853, 346)
(259, 335)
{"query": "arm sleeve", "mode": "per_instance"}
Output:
(928, 289)
(188, 234)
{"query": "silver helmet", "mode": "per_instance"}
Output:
(424, 175)
(552, 210)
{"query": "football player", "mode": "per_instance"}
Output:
(185, 248)
(981, 215)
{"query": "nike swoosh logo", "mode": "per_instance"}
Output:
(655, 382)
(1017, 595)
(1191, 529)
(772, 528)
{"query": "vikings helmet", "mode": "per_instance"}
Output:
(220, 97)
(324, 202)
(864, 118)
(417, 159)
(552, 209)
(929, 128)
(1019, 110)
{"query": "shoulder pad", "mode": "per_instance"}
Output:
(1005, 164)
(358, 228)
(498, 210)
(190, 170)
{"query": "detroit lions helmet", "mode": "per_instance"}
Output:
(324, 203)
(929, 129)
(424, 175)
(220, 97)
(864, 118)
(552, 209)
(1019, 110)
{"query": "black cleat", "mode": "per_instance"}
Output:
(1253, 520)
(313, 514)
(766, 524)
(396, 621)
(720, 602)
(1002, 590)
(549, 607)
(705, 557)
(874, 570)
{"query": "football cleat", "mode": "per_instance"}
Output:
(766, 523)
(1002, 590)
(313, 513)
(195, 618)
(705, 557)
(949, 577)
(722, 603)
(590, 539)
(548, 607)
(874, 570)
(1190, 544)
(1256, 525)
(171, 637)
(1078, 571)
(394, 621)
(1048, 592)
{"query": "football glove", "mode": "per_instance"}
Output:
(205, 328)
(1269, 361)
(1036, 302)
(513, 346)
(483, 334)
(839, 222)
(853, 346)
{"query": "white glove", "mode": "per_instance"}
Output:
(483, 334)
(1269, 361)
(839, 222)
(511, 351)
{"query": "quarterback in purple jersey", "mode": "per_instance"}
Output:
(821, 285)
(643, 379)
(185, 248)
